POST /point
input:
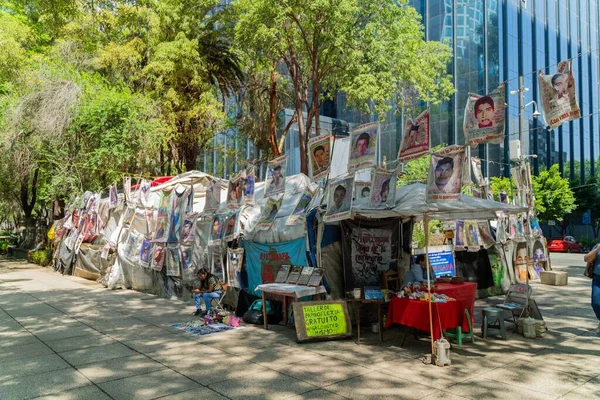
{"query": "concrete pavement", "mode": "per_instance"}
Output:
(68, 338)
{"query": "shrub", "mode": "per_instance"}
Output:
(41, 257)
(3, 247)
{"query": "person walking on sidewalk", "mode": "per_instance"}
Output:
(210, 288)
(591, 256)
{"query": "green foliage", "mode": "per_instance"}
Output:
(41, 257)
(417, 170)
(555, 197)
(3, 247)
(500, 184)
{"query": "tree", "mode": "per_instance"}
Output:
(369, 50)
(554, 194)
(588, 198)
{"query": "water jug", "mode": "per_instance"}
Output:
(529, 328)
(441, 352)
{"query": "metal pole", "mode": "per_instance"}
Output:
(426, 229)
(523, 189)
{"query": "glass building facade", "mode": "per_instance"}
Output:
(497, 41)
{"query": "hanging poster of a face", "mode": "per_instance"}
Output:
(173, 261)
(158, 256)
(339, 199)
(145, 252)
(484, 118)
(363, 150)
(557, 91)
(269, 212)
(362, 190)
(127, 188)
(234, 192)
(187, 259)
(299, 213)
(477, 174)
(131, 246)
(485, 236)
(383, 188)
(275, 182)
(459, 237)
(216, 265)
(113, 197)
(213, 197)
(415, 140)
(534, 225)
(145, 186)
(231, 226)
(318, 152)
(445, 174)
(216, 231)
(235, 258)
(471, 236)
(188, 231)
(512, 226)
(249, 182)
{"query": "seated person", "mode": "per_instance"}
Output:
(210, 288)
(416, 273)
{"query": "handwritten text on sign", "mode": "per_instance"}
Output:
(324, 320)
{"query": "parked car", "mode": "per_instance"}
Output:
(565, 244)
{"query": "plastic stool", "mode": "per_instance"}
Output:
(459, 334)
(492, 329)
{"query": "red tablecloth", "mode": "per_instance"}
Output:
(464, 293)
(415, 314)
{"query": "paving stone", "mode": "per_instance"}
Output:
(27, 387)
(90, 392)
(201, 393)
(377, 385)
(97, 354)
(79, 342)
(323, 371)
(31, 366)
(118, 368)
(148, 386)
(486, 388)
(264, 385)
(24, 351)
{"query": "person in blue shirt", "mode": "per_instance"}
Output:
(416, 273)
(591, 256)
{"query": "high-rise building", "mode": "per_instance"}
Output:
(497, 41)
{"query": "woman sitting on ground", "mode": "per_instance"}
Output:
(210, 288)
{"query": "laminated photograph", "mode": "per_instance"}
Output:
(231, 226)
(559, 100)
(445, 174)
(216, 231)
(249, 182)
(212, 198)
(158, 256)
(484, 118)
(302, 206)
(235, 259)
(235, 192)
(363, 150)
(173, 261)
(339, 198)
(319, 153)
(362, 190)
(415, 138)
(269, 212)
(145, 253)
(275, 182)
(383, 188)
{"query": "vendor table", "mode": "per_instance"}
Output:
(464, 293)
(357, 305)
(415, 314)
(286, 290)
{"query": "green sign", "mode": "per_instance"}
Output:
(322, 320)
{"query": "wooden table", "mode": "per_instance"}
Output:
(357, 305)
(285, 290)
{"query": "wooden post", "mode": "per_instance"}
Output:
(426, 230)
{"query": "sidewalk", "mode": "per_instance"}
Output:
(68, 338)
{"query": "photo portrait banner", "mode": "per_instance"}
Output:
(216, 230)
(299, 213)
(213, 197)
(275, 182)
(362, 190)
(445, 174)
(484, 118)
(235, 192)
(363, 142)
(269, 212)
(235, 258)
(339, 198)
(383, 188)
(318, 153)
(249, 181)
(231, 226)
(416, 138)
(557, 91)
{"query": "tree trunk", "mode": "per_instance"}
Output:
(273, 113)
(301, 136)
(26, 204)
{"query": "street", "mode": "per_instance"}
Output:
(63, 337)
